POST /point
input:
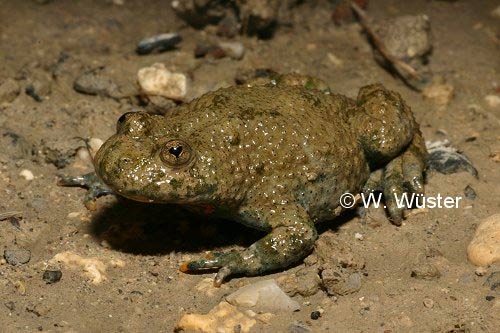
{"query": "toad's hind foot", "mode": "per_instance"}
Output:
(90, 181)
(286, 244)
(403, 176)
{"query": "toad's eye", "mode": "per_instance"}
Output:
(176, 153)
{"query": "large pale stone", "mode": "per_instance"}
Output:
(484, 249)
(157, 80)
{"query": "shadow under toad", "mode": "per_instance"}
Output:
(156, 229)
(153, 229)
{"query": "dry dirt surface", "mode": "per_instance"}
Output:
(118, 264)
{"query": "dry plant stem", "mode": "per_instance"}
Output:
(365, 21)
(6, 215)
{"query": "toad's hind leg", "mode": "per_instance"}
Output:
(384, 124)
(291, 239)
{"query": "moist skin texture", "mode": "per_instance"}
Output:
(275, 156)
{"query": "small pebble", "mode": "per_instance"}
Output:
(9, 90)
(10, 305)
(359, 236)
(39, 87)
(428, 303)
(298, 327)
(94, 83)
(493, 281)
(315, 315)
(336, 61)
(234, 50)
(440, 93)
(30, 91)
(490, 298)
(161, 43)
(94, 144)
(203, 49)
(27, 174)
(264, 295)
(480, 271)
(470, 193)
(493, 100)
(425, 271)
(17, 257)
(446, 159)
(228, 26)
(52, 276)
(496, 12)
(83, 155)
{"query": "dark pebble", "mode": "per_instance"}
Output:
(315, 315)
(202, 49)
(493, 281)
(160, 42)
(52, 276)
(228, 26)
(470, 193)
(17, 257)
(447, 160)
(490, 298)
(30, 91)
(10, 305)
(39, 86)
(93, 83)
(14, 221)
(298, 327)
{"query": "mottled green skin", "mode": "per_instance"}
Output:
(275, 156)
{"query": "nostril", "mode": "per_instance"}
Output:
(123, 118)
(123, 161)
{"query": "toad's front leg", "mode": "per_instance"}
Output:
(96, 188)
(291, 239)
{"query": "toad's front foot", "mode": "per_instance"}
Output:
(287, 243)
(89, 181)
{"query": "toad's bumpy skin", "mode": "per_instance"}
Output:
(274, 156)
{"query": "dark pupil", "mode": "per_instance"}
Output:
(176, 151)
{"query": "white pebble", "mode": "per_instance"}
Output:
(263, 296)
(235, 50)
(359, 236)
(27, 174)
(493, 100)
(83, 155)
(158, 80)
(335, 60)
(94, 145)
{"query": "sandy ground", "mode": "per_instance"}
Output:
(50, 45)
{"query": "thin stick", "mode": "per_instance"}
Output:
(366, 23)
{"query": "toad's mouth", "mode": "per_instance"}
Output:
(134, 197)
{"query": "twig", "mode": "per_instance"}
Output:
(365, 21)
(6, 215)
